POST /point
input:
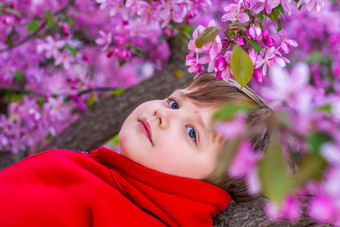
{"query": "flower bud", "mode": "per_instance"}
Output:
(124, 55)
(240, 41)
(268, 41)
(258, 75)
(220, 64)
(254, 33)
(253, 56)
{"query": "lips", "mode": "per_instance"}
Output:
(144, 126)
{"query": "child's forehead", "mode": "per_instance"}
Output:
(185, 94)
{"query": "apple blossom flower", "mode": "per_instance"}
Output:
(269, 57)
(285, 45)
(244, 161)
(51, 46)
(312, 4)
(234, 12)
(254, 32)
(231, 129)
(322, 208)
(65, 58)
(286, 6)
(105, 40)
(268, 41)
(240, 41)
(268, 5)
(258, 75)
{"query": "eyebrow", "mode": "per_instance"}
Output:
(199, 118)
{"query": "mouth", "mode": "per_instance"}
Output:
(145, 128)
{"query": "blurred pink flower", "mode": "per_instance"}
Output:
(285, 45)
(231, 129)
(105, 40)
(322, 208)
(312, 4)
(51, 46)
(244, 161)
(234, 12)
(268, 5)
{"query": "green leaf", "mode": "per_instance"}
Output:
(255, 45)
(19, 75)
(229, 110)
(121, 63)
(12, 11)
(315, 141)
(208, 35)
(281, 11)
(114, 142)
(273, 15)
(273, 174)
(300, 7)
(90, 101)
(32, 26)
(71, 49)
(325, 108)
(231, 32)
(1, 4)
(260, 17)
(312, 167)
(186, 29)
(49, 17)
(279, 25)
(241, 65)
(116, 92)
(139, 52)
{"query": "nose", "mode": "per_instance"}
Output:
(163, 115)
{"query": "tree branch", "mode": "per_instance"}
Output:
(33, 34)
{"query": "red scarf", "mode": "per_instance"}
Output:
(67, 188)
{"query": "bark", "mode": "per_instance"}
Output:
(103, 120)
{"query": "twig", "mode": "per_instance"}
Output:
(71, 2)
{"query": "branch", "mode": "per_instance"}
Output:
(33, 34)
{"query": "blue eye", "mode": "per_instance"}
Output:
(192, 133)
(173, 104)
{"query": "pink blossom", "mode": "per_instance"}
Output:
(51, 47)
(196, 64)
(289, 208)
(231, 129)
(254, 32)
(269, 57)
(312, 4)
(268, 41)
(65, 58)
(286, 6)
(240, 41)
(322, 208)
(258, 75)
(268, 5)
(234, 12)
(244, 161)
(285, 45)
(105, 40)
(253, 56)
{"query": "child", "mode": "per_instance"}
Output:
(169, 151)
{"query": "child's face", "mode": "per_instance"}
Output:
(179, 144)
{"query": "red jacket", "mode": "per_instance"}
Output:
(103, 188)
